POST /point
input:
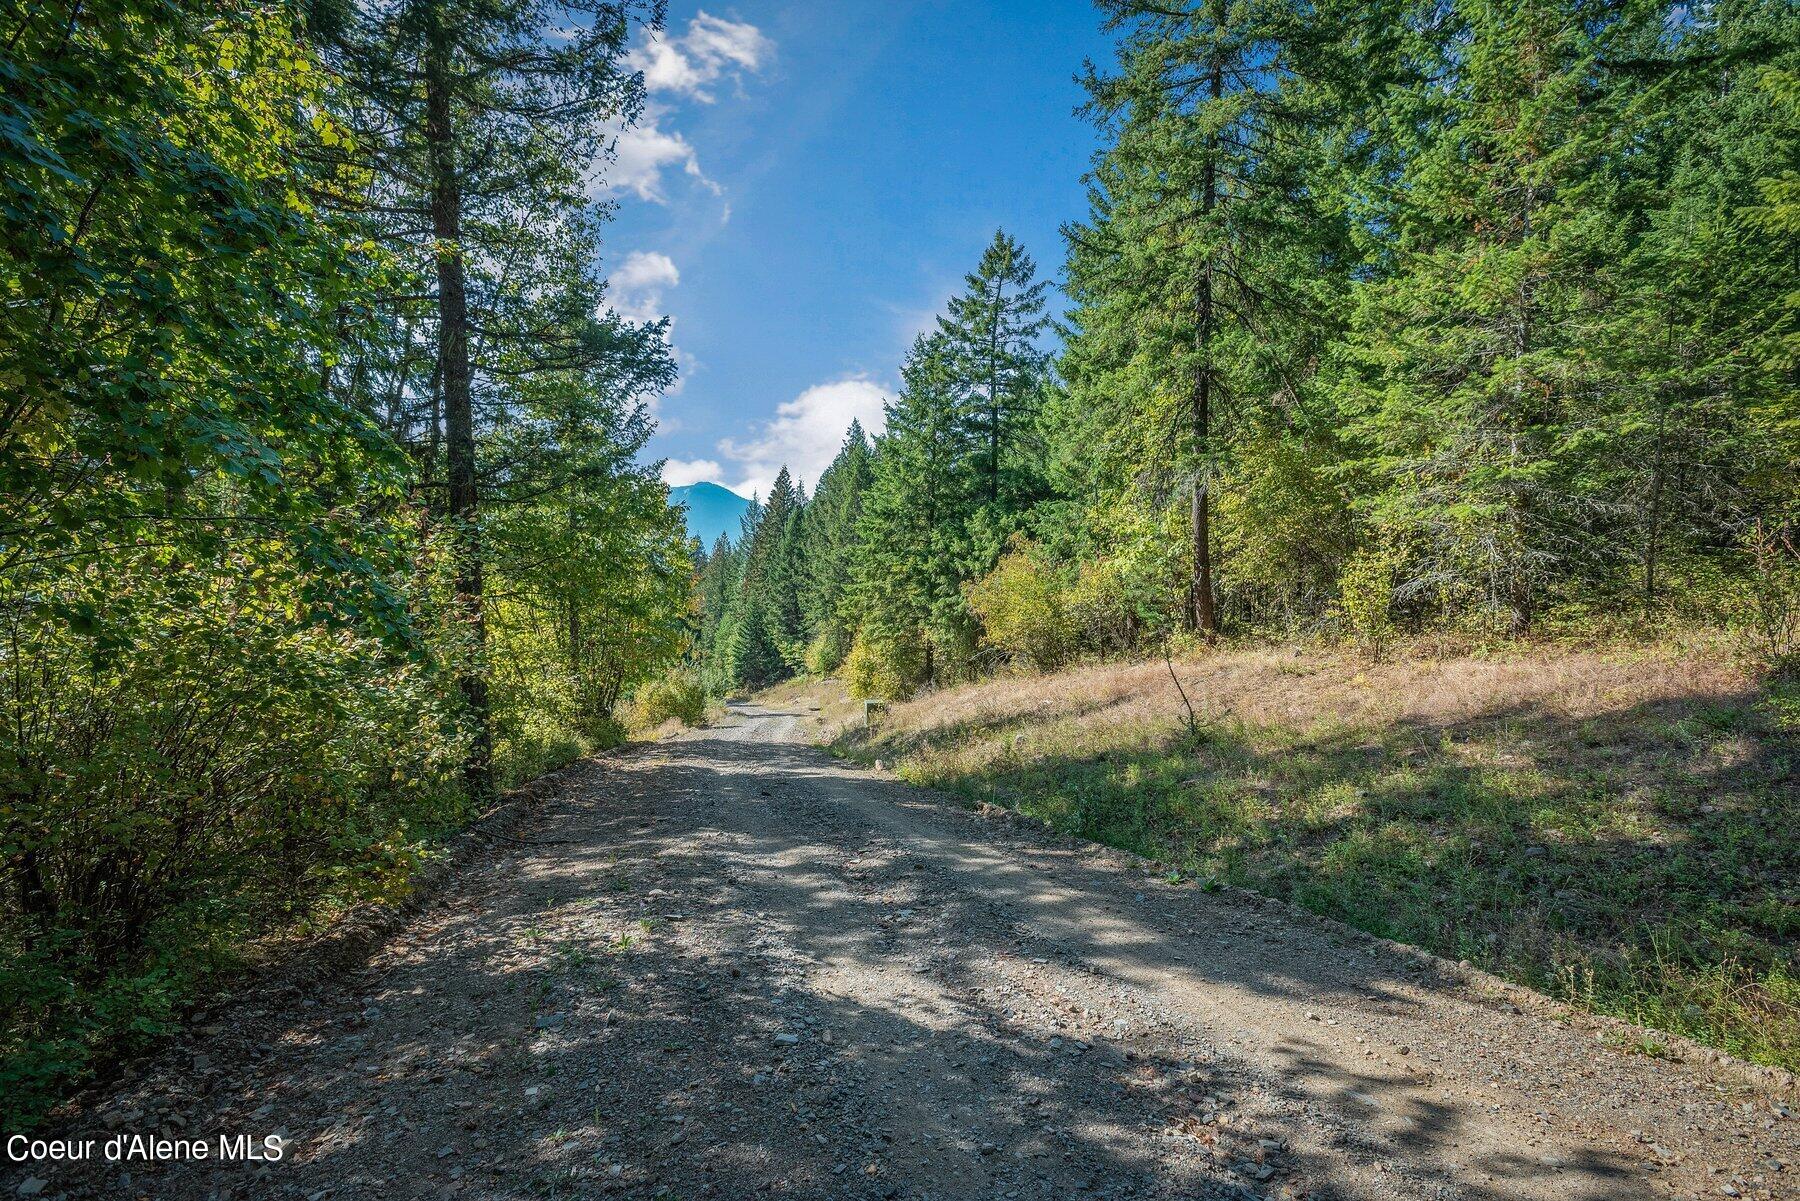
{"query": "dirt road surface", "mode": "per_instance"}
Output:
(729, 966)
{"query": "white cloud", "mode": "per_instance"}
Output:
(682, 65)
(641, 153)
(806, 433)
(690, 63)
(639, 283)
(635, 292)
(679, 472)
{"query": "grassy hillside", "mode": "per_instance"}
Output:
(1619, 829)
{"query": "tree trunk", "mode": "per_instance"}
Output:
(35, 900)
(574, 636)
(994, 395)
(1205, 615)
(459, 411)
(1653, 518)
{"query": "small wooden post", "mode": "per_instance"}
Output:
(869, 708)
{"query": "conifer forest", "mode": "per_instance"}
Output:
(327, 516)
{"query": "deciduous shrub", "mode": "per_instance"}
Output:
(677, 696)
(878, 669)
(1134, 587)
(1366, 599)
(189, 771)
(1022, 605)
(1767, 608)
(1284, 532)
(825, 653)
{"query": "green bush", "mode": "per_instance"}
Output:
(1138, 586)
(1102, 608)
(883, 670)
(197, 763)
(677, 696)
(1766, 609)
(1284, 531)
(1366, 598)
(1022, 604)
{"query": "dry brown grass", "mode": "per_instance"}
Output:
(1617, 824)
(1304, 688)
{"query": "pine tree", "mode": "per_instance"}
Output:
(717, 585)
(1203, 274)
(990, 333)
(1690, 305)
(1470, 363)
(477, 123)
(914, 551)
(833, 521)
(768, 628)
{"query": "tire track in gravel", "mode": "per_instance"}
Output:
(727, 966)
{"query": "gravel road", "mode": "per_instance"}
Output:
(728, 966)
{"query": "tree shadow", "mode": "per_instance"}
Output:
(1658, 836)
(735, 969)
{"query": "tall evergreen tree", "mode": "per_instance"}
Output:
(478, 122)
(1470, 365)
(833, 522)
(767, 629)
(1687, 308)
(914, 551)
(1198, 275)
(716, 586)
(990, 332)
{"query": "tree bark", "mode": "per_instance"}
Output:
(1205, 614)
(1653, 518)
(994, 393)
(456, 374)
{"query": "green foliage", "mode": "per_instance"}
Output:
(1767, 606)
(168, 290)
(1210, 269)
(222, 700)
(592, 569)
(1023, 608)
(1284, 531)
(1467, 374)
(916, 547)
(235, 597)
(989, 333)
(1500, 290)
(755, 597)
(877, 669)
(676, 696)
(895, 530)
(232, 767)
(1366, 598)
(828, 649)
(475, 128)
(320, 445)
(832, 529)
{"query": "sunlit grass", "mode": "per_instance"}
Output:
(1637, 855)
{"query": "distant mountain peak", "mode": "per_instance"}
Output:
(712, 509)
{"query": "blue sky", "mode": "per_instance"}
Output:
(810, 184)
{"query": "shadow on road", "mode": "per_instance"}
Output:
(731, 968)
